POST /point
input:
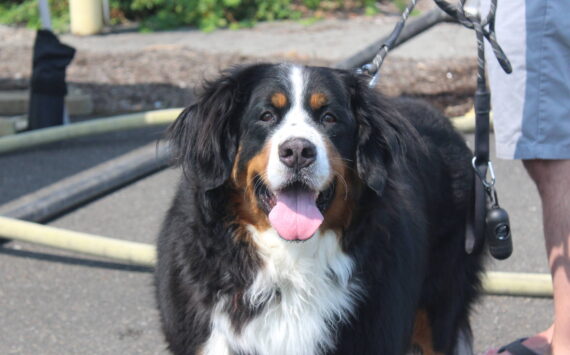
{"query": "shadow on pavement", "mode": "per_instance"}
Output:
(69, 260)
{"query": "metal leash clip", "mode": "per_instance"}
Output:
(487, 184)
(373, 68)
(468, 15)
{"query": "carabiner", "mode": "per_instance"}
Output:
(487, 184)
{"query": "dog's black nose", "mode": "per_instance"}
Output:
(297, 153)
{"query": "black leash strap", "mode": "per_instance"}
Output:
(487, 219)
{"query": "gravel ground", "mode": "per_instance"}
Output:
(129, 71)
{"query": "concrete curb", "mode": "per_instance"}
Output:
(15, 102)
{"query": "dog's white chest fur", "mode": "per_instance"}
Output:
(307, 289)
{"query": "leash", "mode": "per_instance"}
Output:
(487, 219)
(373, 68)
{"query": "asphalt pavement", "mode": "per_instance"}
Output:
(55, 302)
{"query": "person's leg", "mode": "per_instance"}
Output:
(552, 178)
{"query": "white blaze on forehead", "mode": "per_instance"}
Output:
(297, 86)
(297, 123)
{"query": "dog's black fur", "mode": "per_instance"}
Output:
(406, 234)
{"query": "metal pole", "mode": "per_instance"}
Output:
(45, 14)
(86, 17)
(106, 13)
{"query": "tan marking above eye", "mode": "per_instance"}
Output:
(318, 100)
(279, 100)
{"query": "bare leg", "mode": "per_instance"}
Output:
(552, 178)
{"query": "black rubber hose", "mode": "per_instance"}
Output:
(413, 28)
(62, 196)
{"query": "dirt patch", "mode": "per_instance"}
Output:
(165, 77)
(447, 84)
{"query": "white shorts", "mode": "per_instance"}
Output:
(531, 106)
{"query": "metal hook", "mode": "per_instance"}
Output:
(487, 184)
(471, 8)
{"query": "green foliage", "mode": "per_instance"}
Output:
(26, 12)
(210, 14)
(402, 4)
(165, 14)
(370, 11)
(312, 4)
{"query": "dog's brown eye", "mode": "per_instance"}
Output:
(328, 118)
(267, 117)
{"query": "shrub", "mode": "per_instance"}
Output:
(26, 12)
(164, 14)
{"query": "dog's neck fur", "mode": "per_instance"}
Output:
(305, 288)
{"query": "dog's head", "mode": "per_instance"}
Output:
(298, 145)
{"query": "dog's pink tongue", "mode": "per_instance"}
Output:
(295, 215)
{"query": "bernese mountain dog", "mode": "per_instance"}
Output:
(315, 216)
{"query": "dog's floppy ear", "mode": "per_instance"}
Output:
(204, 137)
(382, 135)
